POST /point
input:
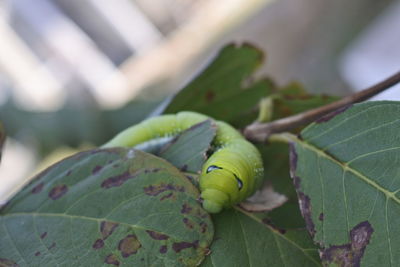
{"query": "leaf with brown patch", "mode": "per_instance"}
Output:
(99, 243)
(349, 255)
(129, 245)
(8, 263)
(109, 206)
(107, 228)
(112, 259)
(179, 246)
(117, 180)
(58, 191)
(37, 189)
(157, 236)
(346, 171)
(225, 90)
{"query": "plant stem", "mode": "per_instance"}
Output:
(260, 132)
(282, 138)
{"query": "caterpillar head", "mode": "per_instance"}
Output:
(220, 188)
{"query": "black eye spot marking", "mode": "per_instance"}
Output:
(212, 167)
(240, 183)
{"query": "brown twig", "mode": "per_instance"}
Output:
(259, 132)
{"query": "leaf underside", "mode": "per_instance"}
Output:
(346, 168)
(187, 151)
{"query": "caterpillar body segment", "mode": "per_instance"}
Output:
(156, 127)
(230, 175)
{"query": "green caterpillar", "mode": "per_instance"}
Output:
(230, 175)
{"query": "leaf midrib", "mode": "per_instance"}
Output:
(275, 234)
(346, 167)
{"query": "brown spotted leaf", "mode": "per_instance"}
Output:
(224, 90)
(293, 98)
(346, 170)
(242, 239)
(288, 100)
(116, 207)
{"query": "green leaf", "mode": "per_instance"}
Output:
(276, 166)
(293, 98)
(187, 151)
(2, 138)
(347, 173)
(220, 90)
(74, 124)
(251, 242)
(113, 206)
(289, 100)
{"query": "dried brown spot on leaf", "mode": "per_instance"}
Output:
(203, 227)
(129, 245)
(201, 213)
(8, 263)
(97, 169)
(107, 228)
(163, 249)
(38, 188)
(178, 246)
(349, 255)
(155, 190)
(210, 95)
(188, 223)
(43, 235)
(37, 253)
(157, 236)
(58, 191)
(305, 208)
(304, 200)
(99, 243)
(53, 245)
(117, 180)
(184, 168)
(186, 208)
(167, 196)
(333, 114)
(112, 259)
(292, 159)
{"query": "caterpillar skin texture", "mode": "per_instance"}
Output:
(230, 175)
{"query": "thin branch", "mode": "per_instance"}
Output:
(260, 132)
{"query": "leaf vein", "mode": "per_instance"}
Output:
(360, 133)
(346, 167)
(12, 242)
(337, 124)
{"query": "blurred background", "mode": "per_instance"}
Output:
(75, 72)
